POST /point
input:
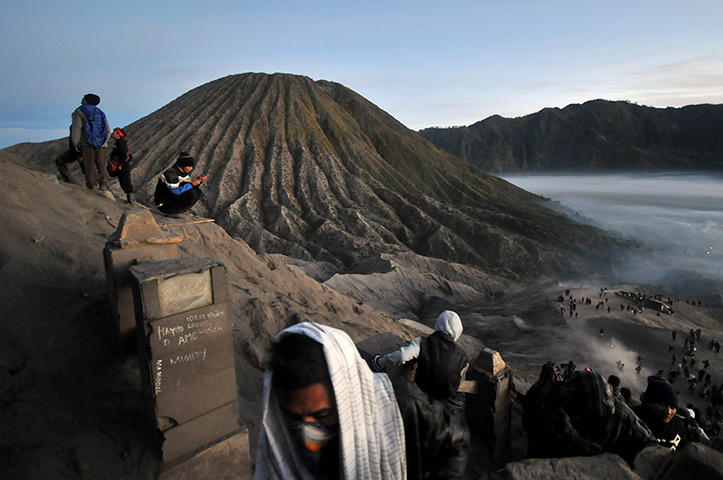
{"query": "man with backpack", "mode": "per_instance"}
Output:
(89, 134)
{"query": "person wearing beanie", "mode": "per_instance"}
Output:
(89, 135)
(176, 192)
(121, 157)
(659, 412)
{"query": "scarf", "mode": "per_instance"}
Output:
(371, 432)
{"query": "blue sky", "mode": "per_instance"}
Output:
(427, 63)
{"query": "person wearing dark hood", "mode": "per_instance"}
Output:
(89, 134)
(122, 158)
(659, 412)
(583, 417)
(176, 192)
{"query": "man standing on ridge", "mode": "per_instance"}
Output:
(89, 134)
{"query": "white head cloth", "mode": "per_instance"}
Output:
(370, 426)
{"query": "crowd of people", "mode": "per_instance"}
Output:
(90, 133)
(327, 413)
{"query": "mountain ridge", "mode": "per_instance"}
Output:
(598, 135)
(312, 170)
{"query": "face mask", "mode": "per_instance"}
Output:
(313, 437)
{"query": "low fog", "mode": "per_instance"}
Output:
(679, 215)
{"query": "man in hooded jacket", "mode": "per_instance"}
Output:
(440, 367)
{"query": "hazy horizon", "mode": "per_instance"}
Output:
(679, 215)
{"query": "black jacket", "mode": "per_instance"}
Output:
(440, 365)
(436, 440)
(670, 435)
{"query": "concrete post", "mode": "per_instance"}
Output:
(137, 239)
(489, 411)
(187, 363)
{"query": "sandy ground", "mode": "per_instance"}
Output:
(70, 409)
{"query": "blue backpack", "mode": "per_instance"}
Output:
(96, 126)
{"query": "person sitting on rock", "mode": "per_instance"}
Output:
(659, 412)
(581, 417)
(176, 192)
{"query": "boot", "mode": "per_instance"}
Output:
(131, 197)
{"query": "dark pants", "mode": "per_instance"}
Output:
(124, 177)
(62, 162)
(174, 204)
(95, 166)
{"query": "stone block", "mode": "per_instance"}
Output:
(489, 412)
(574, 468)
(695, 460)
(137, 239)
(229, 459)
(186, 354)
(162, 291)
(187, 439)
(650, 460)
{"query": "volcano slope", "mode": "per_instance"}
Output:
(314, 171)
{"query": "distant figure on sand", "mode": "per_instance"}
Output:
(67, 157)
(175, 191)
(122, 158)
(90, 133)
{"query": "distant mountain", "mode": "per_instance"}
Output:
(312, 170)
(595, 136)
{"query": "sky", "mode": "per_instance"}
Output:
(427, 63)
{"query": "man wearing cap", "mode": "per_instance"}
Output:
(176, 192)
(659, 412)
(89, 134)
